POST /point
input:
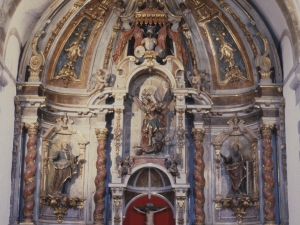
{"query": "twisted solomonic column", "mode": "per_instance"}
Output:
(198, 135)
(267, 174)
(100, 177)
(30, 171)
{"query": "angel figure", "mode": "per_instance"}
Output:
(184, 11)
(99, 81)
(172, 163)
(226, 48)
(74, 51)
(154, 108)
(199, 80)
(119, 8)
(124, 165)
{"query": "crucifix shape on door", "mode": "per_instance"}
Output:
(149, 210)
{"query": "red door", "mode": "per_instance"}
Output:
(134, 217)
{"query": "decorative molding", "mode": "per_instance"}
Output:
(117, 204)
(187, 33)
(181, 131)
(181, 195)
(204, 12)
(295, 85)
(118, 131)
(109, 48)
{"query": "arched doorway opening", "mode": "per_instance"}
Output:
(149, 189)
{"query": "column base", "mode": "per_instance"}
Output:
(270, 223)
(27, 222)
(99, 223)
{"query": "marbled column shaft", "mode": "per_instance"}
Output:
(267, 173)
(198, 135)
(30, 171)
(100, 177)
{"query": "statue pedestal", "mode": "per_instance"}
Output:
(238, 205)
(61, 204)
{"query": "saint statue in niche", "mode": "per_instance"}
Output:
(65, 164)
(235, 167)
(155, 108)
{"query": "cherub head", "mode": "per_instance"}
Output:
(196, 72)
(182, 6)
(100, 72)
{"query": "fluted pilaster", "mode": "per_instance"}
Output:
(198, 135)
(101, 176)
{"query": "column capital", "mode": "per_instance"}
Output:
(198, 133)
(101, 133)
(267, 129)
(32, 128)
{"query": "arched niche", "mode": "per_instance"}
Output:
(149, 180)
(134, 116)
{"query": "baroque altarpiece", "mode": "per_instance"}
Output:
(149, 111)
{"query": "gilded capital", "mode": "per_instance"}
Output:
(101, 133)
(267, 129)
(32, 128)
(198, 133)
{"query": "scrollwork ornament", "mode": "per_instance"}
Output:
(37, 59)
(263, 61)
